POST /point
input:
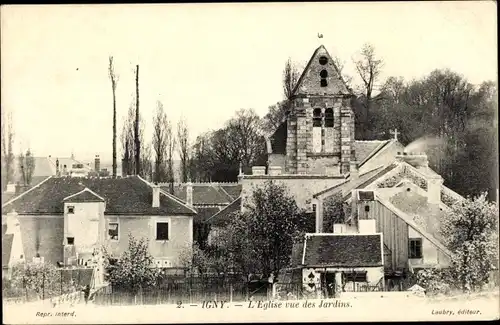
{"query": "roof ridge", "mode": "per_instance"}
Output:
(377, 150)
(226, 207)
(24, 193)
(171, 196)
(86, 189)
(222, 191)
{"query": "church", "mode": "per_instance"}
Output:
(396, 200)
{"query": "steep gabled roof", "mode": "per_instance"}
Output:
(85, 195)
(367, 149)
(224, 215)
(417, 226)
(129, 195)
(204, 193)
(347, 186)
(343, 250)
(336, 84)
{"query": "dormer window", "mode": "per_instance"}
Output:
(71, 209)
(324, 74)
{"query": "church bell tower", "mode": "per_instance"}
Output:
(320, 124)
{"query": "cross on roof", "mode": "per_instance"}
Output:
(395, 133)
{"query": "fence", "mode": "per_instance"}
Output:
(45, 285)
(196, 290)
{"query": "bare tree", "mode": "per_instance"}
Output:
(369, 68)
(7, 150)
(160, 124)
(290, 78)
(27, 167)
(128, 141)
(136, 125)
(340, 64)
(276, 113)
(114, 81)
(183, 148)
(171, 143)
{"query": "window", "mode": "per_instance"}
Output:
(367, 208)
(323, 60)
(317, 117)
(354, 276)
(162, 231)
(71, 209)
(71, 240)
(113, 231)
(314, 207)
(415, 250)
(329, 118)
(324, 74)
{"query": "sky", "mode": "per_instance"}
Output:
(206, 61)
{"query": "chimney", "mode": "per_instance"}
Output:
(417, 160)
(57, 167)
(354, 172)
(156, 195)
(258, 170)
(434, 181)
(274, 170)
(189, 194)
(434, 184)
(97, 163)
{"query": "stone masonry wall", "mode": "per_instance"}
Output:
(300, 156)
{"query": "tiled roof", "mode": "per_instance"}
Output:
(366, 149)
(278, 139)
(129, 195)
(84, 196)
(205, 213)
(203, 194)
(426, 215)
(6, 248)
(362, 181)
(343, 250)
(233, 190)
(224, 216)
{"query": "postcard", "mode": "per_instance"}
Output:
(249, 162)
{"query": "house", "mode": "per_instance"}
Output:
(339, 262)
(208, 199)
(64, 219)
(44, 168)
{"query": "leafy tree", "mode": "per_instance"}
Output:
(218, 154)
(134, 269)
(274, 223)
(334, 211)
(470, 232)
(43, 279)
(196, 260)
